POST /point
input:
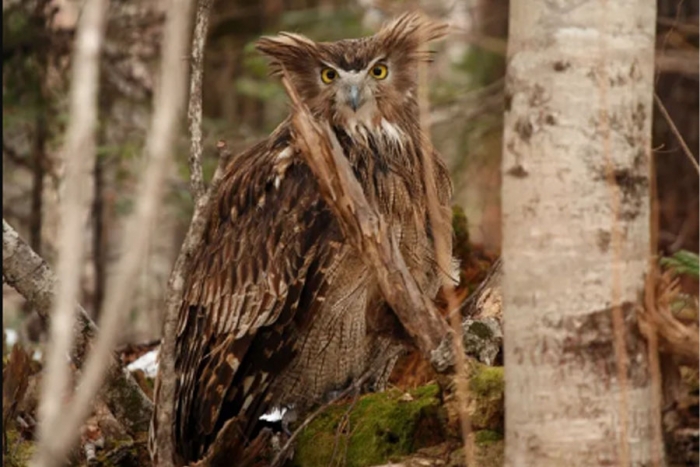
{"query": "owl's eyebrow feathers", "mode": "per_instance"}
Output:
(339, 67)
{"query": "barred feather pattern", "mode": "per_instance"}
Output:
(278, 308)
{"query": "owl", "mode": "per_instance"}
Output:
(279, 309)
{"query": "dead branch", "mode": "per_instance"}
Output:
(32, 277)
(163, 450)
(367, 231)
(78, 155)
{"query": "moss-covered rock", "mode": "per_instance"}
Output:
(376, 429)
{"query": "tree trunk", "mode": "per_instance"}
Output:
(576, 233)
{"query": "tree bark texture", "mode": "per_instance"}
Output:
(576, 212)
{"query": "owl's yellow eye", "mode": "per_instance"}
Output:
(379, 71)
(328, 75)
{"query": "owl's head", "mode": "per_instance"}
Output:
(362, 79)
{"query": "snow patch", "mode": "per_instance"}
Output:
(148, 363)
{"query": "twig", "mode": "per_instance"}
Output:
(367, 232)
(32, 277)
(344, 421)
(78, 154)
(167, 107)
(676, 133)
(161, 436)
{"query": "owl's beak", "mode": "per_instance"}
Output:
(354, 98)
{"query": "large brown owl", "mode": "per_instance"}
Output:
(278, 308)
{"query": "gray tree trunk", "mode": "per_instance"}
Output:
(576, 161)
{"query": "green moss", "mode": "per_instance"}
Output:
(487, 381)
(485, 437)
(379, 428)
(487, 386)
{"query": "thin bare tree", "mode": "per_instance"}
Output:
(78, 157)
(57, 438)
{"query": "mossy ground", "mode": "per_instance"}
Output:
(376, 429)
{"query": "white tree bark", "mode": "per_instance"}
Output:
(576, 232)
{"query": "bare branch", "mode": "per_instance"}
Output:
(32, 277)
(676, 133)
(78, 154)
(367, 231)
(161, 437)
(194, 112)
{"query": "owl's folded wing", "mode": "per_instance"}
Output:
(262, 267)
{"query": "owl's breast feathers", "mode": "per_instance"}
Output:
(264, 271)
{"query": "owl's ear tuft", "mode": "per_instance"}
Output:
(286, 50)
(409, 33)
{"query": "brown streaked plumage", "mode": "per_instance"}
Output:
(278, 308)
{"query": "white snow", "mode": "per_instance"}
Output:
(147, 362)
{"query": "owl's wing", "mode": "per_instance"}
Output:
(263, 267)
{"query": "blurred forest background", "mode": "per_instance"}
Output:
(242, 104)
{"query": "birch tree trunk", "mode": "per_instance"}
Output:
(576, 161)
